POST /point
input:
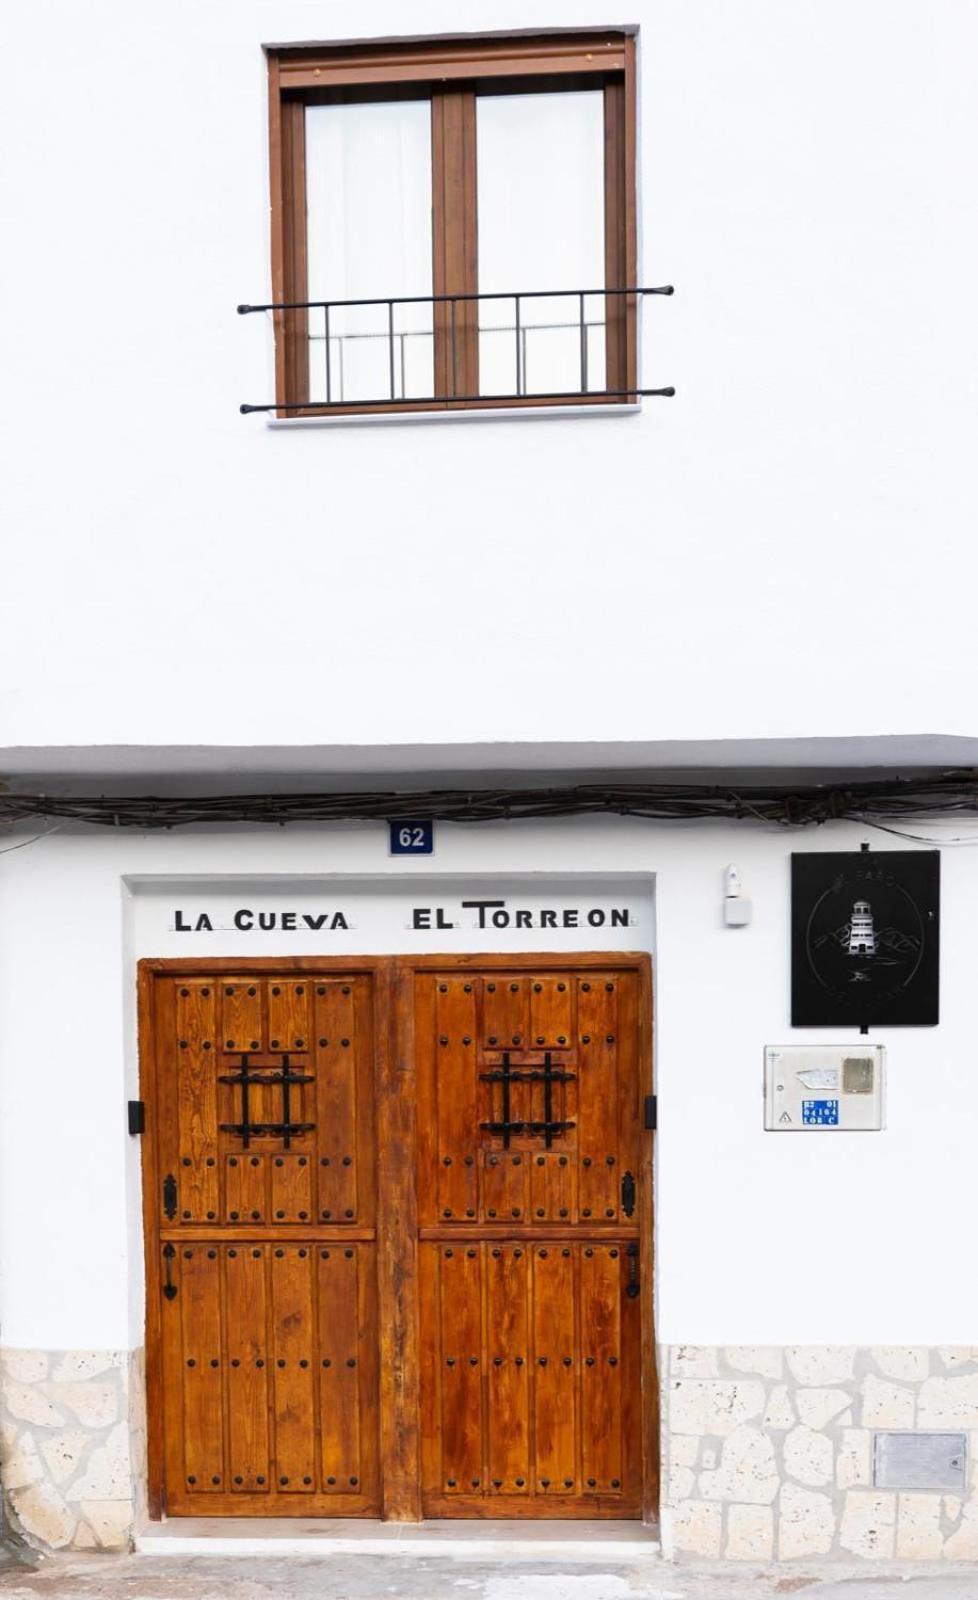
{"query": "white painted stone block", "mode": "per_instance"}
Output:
(919, 1533)
(750, 1533)
(780, 1413)
(697, 1528)
(22, 1464)
(963, 1544)
(949, 1402)
(43, 1515)
(79, 1366)
(868, 1524)
(110, 1521)
(818, 1407)
(909, 1363)
(682, 1484)
(64, 1451)
(956, 1356)
(767, 1361)
(714, 1406)
(107, 1475)
(747, 1472)
(96, 1405)
(808, 1457)
(28, 1404)
(806, 1523)
(26, 1366)
(854, 1462)
(684, 1450)
(816, 1365)
(694, 1361)
(886, 1405)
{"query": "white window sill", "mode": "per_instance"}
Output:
(486, 414)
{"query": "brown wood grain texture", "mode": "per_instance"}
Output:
(247, 1355)
(398, 1282)
(485, 1363)
(240, 1420)
(507, 1341)
(560, 1396)
(447, 60)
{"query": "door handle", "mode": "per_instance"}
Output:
(169, 1287)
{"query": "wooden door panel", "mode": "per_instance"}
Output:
(264, 1125)
(203, 1410)
(195, 1159)
(249, 1449)
(551, 1011)
(242, 1022)
(514, 1327)
(456, 1098)
(598, 1100)
(554, 1370)
(293, 1352)
(340, 1040)
(530, 1380)
(507, 1295)
(529, 1119)
(347, 1368)
(288, 1015)
(461, 1367)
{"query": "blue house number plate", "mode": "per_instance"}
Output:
(412, 838)
(824, 1113)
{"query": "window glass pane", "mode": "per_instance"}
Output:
(368, 199)
(541, 226)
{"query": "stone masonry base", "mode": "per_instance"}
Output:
(69, 1443)
(768, 1452)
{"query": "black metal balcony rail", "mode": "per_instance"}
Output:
(395, 338)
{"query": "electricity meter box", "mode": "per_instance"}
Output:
(823, 1088)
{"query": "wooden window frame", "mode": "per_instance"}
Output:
(453, 72)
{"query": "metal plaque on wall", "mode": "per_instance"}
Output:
(864, 938)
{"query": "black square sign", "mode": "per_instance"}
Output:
(865, 931)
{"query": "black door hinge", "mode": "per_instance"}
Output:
(628, 1193)
(137, 1117)
(651, 1111)
(170, 1196)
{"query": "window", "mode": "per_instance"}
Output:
(475, 200)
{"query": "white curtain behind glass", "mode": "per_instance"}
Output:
(541, 226)
(368, 202)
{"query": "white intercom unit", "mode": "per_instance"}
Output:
(814, 1088)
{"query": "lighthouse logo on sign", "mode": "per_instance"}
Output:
(862, 938)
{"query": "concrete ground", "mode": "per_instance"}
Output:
(413, 1577)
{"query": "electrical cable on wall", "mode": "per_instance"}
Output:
(884, 803)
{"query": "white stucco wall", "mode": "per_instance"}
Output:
(176, 573)
(761, 1239)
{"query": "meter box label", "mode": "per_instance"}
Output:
(825, 1113)
(823, 1088)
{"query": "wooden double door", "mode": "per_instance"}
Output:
(399, 1237)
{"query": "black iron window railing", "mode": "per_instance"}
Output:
(548, 346)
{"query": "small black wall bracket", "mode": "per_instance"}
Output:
(137, 1117)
